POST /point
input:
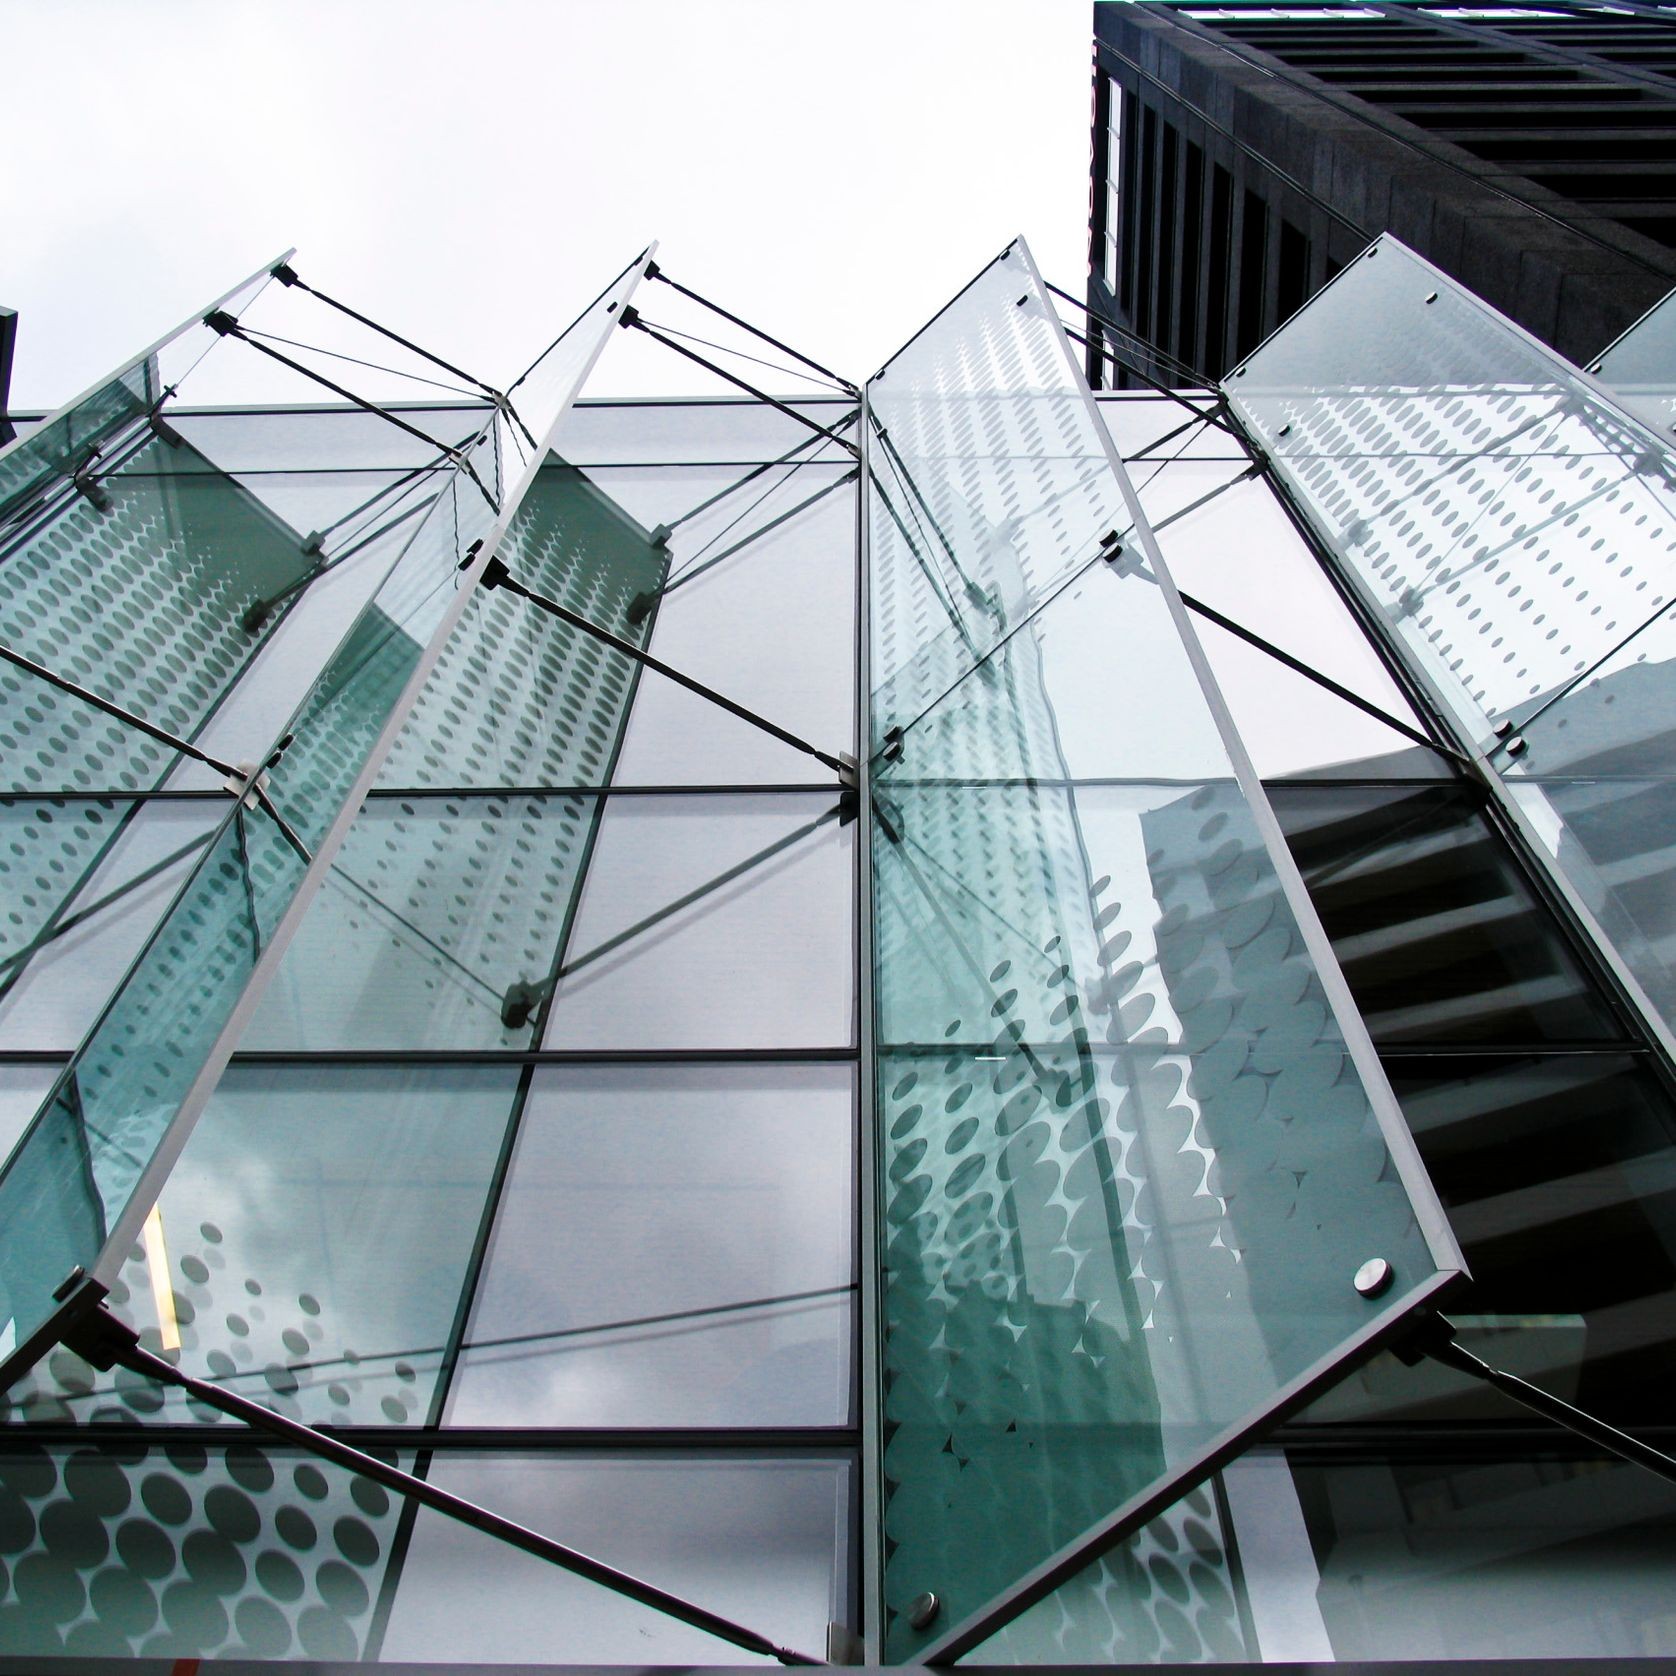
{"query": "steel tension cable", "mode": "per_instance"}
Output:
(103, 1341)
(223, 323)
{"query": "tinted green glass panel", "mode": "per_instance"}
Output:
(1518, 529)
(35, 469)
(186, 1552)
(519, 698)
(435, 908)
(1133, 1142)
(310, 1248)
(1169, 1595)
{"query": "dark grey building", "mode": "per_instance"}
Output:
(1243, 154)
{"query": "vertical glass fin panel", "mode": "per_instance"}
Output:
(1133, 1142)
(1510, 523)
(73, 1191)
(989, 485)
(1517, 530)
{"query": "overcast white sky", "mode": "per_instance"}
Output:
(471, 173)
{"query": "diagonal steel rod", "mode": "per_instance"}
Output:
(1315, 675)
(92, 699)
(105, 1341)
(227, 326)
(1440, 1345)
(631, 317)
(496, 575)
(757, 534)
(830, 433)
(653, 271)
(287, 275)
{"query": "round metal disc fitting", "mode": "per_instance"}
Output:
(1374, 1277)
(923, 1610)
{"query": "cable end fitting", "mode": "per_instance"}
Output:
(495, 574)
(629, 317)
(222, 322)
(284, 273)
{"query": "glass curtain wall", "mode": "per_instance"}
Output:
(533, 1167)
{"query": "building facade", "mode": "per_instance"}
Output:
(888, 1010)
(1244, 154)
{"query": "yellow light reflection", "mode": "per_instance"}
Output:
(157, 1266)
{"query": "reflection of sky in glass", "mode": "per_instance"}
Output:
(672, 1248)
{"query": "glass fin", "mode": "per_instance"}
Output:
(1133, 1142)
(1516, 529)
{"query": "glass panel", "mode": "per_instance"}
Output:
(1243, 556)
(177, 1551)
(323, 439)
(1611, 838)
(1148, 428)
(1512, 524)
(1041, 705)
(736, 430)
(118, 864)
(1169, 1595)
(1440, 935)
(713, 920)
(772, 628)
(22, 1089)
(519, 698)
(141, 601)
(310, 1248)
(1641, 366)
(71, 1183)
(1128, 1165)
(990, 485)
(1495, 1557)
(434, 910)
(36, 466)
(759, 1540)
(673, 1247)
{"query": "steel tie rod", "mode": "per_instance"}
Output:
(104, 1341)
(496, 575)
